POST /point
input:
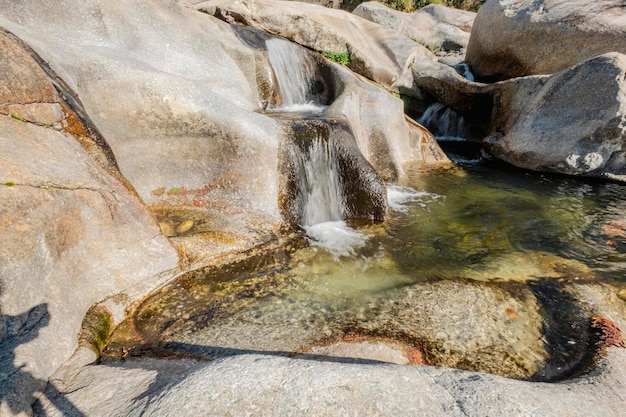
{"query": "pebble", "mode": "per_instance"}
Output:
(185, 226)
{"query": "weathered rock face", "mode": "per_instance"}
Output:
(71, 233)
(376, 52)
(434, 26)
(513, 38)
(572, 122)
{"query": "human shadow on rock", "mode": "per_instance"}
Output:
(19, 389)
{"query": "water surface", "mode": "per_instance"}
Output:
(472, 269)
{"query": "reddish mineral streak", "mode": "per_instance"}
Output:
(608, 332)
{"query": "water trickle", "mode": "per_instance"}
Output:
(465, 70)
(294, 70)
(443, 122)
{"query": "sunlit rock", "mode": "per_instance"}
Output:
(523, 37)
(434, 26)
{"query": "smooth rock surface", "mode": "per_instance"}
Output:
(257, 385)
(64, 245)
(434, 26)
(513, 38)
(573, 122)
(376, 52)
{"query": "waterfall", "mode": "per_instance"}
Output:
(443, 122)
(294, 69)
(320, 183)
(326, 180)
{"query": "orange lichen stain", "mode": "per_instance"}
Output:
(158, 192)
(73, 126)
(414, 355)
(510, 313)
(608, 332)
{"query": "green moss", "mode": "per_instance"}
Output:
(96, 329)
(175, 190)
(8, 183)
(338, 57)
(16, 117)
(431, 48)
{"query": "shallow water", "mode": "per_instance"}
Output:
(471, 269)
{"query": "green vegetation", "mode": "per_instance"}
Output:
(412, 5)
(175, 190)
(8, 183)
(16, 117)
(431, 48)
(339, 57)
(96, 329)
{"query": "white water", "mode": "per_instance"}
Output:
(295, 72)
(443, 121)
(320, 184)
(465, 71)
(336, 237)
(401, 198)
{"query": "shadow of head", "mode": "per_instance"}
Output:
(22, 328)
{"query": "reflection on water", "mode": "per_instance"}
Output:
(472, 271)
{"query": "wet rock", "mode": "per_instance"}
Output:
(314, 147)
(523, 37)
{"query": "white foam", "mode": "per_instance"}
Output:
(400, 197)
(336, 237)
(309, 107)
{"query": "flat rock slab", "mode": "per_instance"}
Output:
(256, 385)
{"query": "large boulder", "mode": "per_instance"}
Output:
(434, 26)
(572, 122)
(526, 37)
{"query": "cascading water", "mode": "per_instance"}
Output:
(323, 201)
(320, 183)
(294, 70)
(441, 120)
(327, 174)
(327, 180)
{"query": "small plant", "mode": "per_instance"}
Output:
(338, 57)
(16, 117)
(8, 183)
(431, 48)
(176, 190)
(158, 192)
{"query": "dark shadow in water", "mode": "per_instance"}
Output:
(569, 340)
(19, 389)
